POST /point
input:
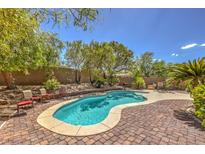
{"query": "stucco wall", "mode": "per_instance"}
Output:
(37, 77)
(65, 76)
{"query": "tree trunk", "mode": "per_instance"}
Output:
(76, 76)
(9, 80)
(104, 75)
(90, 77)
(79, 76)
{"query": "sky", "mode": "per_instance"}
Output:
(173, 35)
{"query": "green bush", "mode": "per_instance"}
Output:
(112, 80)
(198, 94)
(51, 84)
(98, 83)
(98, 80)
(167, 85)
(139, 82)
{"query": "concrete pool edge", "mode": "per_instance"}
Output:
(47, 120)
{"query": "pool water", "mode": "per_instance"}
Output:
(94, 109)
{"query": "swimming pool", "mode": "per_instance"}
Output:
(94, 109)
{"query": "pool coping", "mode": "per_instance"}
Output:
(47, 120)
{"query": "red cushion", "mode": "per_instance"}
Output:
(122, 83)
(24, 103)
(36, 98)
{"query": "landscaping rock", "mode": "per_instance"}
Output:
(3, 102)
(6, 112)
(12, 96)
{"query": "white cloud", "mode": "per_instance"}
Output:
(157, 59)
(202, 45)
(175, 54)
(188, 46)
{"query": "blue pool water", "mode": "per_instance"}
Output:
(94, 109)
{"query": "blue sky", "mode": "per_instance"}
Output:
(174, 35)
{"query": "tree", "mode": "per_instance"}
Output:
(99, 58)
(123, 56)
(118, 60)
(19, 40)
(93, 59)
(191, 73)
(75, 57)
(145, 63)
(51, 49)
(108, 58)
(79, 17)
(159, 69)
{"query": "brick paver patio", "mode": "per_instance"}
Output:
(163, 122)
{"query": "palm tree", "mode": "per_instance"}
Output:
(191, 73)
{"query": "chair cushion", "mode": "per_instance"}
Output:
(35, 98)
(24, 103)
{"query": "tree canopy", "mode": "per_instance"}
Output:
(23, 45)
(151, 67)
(105, 57)
(18, 39)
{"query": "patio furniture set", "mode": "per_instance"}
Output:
(29, 98)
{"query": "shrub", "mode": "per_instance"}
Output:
(198, 94)
(139, 82)
(168, 85)
(51, 84)
(112, 80)
(98, 83)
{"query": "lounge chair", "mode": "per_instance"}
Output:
(160, 85)
(62, 91)
(28, 99)
(46, 95)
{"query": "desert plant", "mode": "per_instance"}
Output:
(51, 84)
(139, 83)
(168, 85)
(191, 73)
(198, 94)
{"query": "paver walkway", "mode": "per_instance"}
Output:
(163, 122)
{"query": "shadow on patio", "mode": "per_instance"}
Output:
(188, 119)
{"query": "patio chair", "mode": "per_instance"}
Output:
(28, 99)
(62, 91)
(160, 85)
(46, 95)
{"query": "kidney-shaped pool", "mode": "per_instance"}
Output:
(94, 109)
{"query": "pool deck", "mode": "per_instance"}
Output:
(47, 120)
(161, 122)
